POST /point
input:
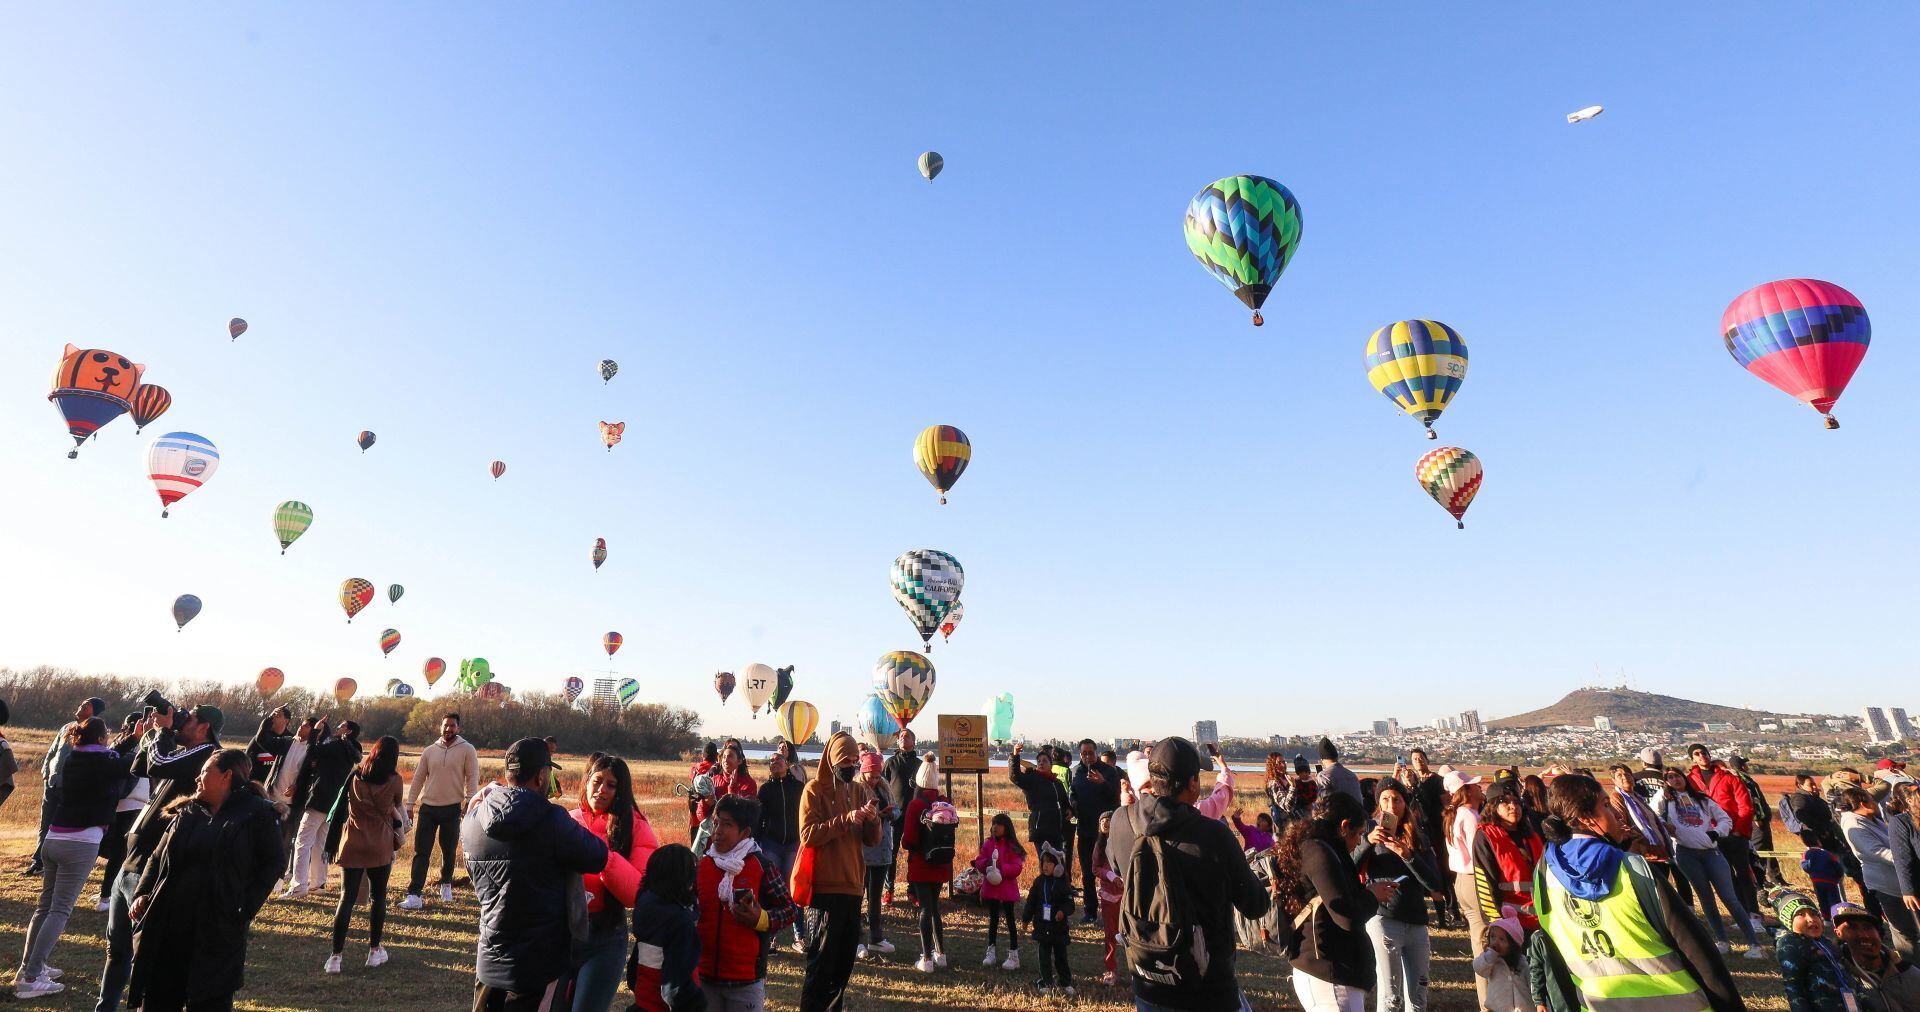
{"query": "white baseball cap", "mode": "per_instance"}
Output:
(1454, 780)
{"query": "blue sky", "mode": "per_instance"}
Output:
(439, 218)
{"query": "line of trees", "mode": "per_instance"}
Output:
(45, 697)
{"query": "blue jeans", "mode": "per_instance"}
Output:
(779, 858)
(600, 977)
(1709, 873)
(119, 965)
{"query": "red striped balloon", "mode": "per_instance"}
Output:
(149, 401)
(612, 642)
(499, 468)
(389, 640)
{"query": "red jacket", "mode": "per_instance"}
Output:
(741, 784)
(918, 868)
(621, 877)
(1728, 792)
(732, 953)
(1503, 872)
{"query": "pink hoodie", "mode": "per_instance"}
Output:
(1010, 865)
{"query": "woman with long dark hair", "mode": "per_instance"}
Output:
(1320, 892)
(1505, 849)
(212, 870)
(1697, 823)
(1460, 823)
(1620, 934)
(375, 823)
(1396, 850)
(608, 811)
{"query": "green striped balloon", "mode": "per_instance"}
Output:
(290, 520)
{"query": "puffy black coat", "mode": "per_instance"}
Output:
(214, 896)
(91, 784)
(332, 762)
(523, 854)
(172, 771)
(266, 748)
(1046, 814)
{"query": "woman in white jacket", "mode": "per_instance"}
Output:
(1697, 824)
(1867, 833)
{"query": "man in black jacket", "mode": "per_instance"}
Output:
(270, 742)
(1046, 813)
(1202, 860)
(329, 763)
(182, 738)
(1096, 791)
(779, 831)
(899, 772)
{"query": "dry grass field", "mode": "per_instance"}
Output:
(432, 949)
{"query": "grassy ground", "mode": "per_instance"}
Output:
(432, 950)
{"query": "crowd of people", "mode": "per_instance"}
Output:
(1578, 889)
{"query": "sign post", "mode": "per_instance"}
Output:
(963, 749)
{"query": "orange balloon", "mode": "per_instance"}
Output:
(269, 681)
(344, 689)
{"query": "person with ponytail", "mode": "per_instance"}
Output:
(1321, 894)
(1459, 824)
(1618, 936)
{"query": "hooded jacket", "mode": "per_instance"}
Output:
(523, 854)
(172, 771)
(332, 761)
(1726, 790)
(902, 768)
(1045, 818)
(780, 811)
(666, 954)
(1205, 859)
(830, 822)
(266, 747)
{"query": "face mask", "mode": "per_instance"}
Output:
(845, 773)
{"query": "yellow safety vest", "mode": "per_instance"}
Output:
(1613, 949)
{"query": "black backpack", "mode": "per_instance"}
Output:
(1159, 921)
(936, 841)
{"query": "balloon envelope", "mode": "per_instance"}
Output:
(290, 520)
(874, 725)
(1452, 477)
(942, 453)
(394, 591)
(610, 432)
(269, 681)
(1000, 717)
(433, 669)
(365, 439)
(612, 642)
(573, 687)
(903, 682)
(952, 621)
(1419, 365)
(607, 368)
(1244, 230)
(149, 402)
(756, 683)
(355, 594)
(797, 720)
(498, 468)
(599, 551)
(389, 640)
(926, 582)
(931, 163)
(344, 689)
(493, 692)
(628, 690)
(91, 387)
(178, 463)
(185, 607)
(782, 687)
(236, 327)
(1805, 337)
(400, 690)
(723, 684)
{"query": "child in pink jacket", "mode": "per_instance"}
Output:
(1001, 857)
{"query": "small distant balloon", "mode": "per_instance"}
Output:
(433, 669)
(394, 591)
(499, 468)
(573, 687)
(355, 594)
(1586, 114)
(612, 642)
(388, 641)
(607, 369)
(399, 689)
(365, 439)
(931, 163)
(149, 402)
(290, 520)
(599, 552)
(185, 607)
(269, 681)
(627, 691)
(782, 688)
(952, 621)
(178, 463)
(723, 684)
(493, 692)
(1452, 477)
(344, 689)
(236, 327)
(610, 433)
(942, 453)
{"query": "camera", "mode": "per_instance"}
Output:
(156, 703)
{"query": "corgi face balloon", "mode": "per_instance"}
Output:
(97, 371)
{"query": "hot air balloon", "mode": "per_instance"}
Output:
(399, 689)
(874, 725)
(782, 688)
(904, 682)
(269, 681)
(1452, 477)
(627, 691)
(1000, 717)
(941, 452)
(926, 582)
(931, 163)
(610, 433)
(723, 684)
(394, 591)
(149, 401)
(355, 594)
(952, 622)
(607, 368)
(573, 687)
(178, 463)
(236, 327)
(473, 674)
(1244, 230)
(365, 439)
(599, 552)
(433, 669)
(499, 468)
(290, 520)
(389, 640)
(612, 642)
(1805, 337)
(185, 607)
(756, 683)
(1582, 115)
(1419, 365)
(797, 720)
(91, 387)
(344, 689)
(493, 692)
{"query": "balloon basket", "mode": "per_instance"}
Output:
(1460, 525)
(1258, 320)
(1832, 422)
(73, 454)
(1432, 434)
(163, 514)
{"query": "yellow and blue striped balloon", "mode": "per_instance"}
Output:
(1419, 365)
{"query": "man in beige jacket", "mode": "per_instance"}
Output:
(447, 775)
(837, 818)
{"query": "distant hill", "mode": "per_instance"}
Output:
(1632, 711)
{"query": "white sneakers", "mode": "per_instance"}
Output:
(800, 947)
(1759, 926)
(882, 946)
(924, 965)
(293, 893)
(991, 957)
(333, 964)
(1013, 960)
(860, 953)
(1723, 948)
(412, 902)
(376, 956)
(103, 906)
(38, 988)
(1756, 952)
(446, 892)
(940, 960)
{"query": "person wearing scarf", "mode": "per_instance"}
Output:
(743, 904)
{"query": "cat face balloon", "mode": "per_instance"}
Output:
(96, 370)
